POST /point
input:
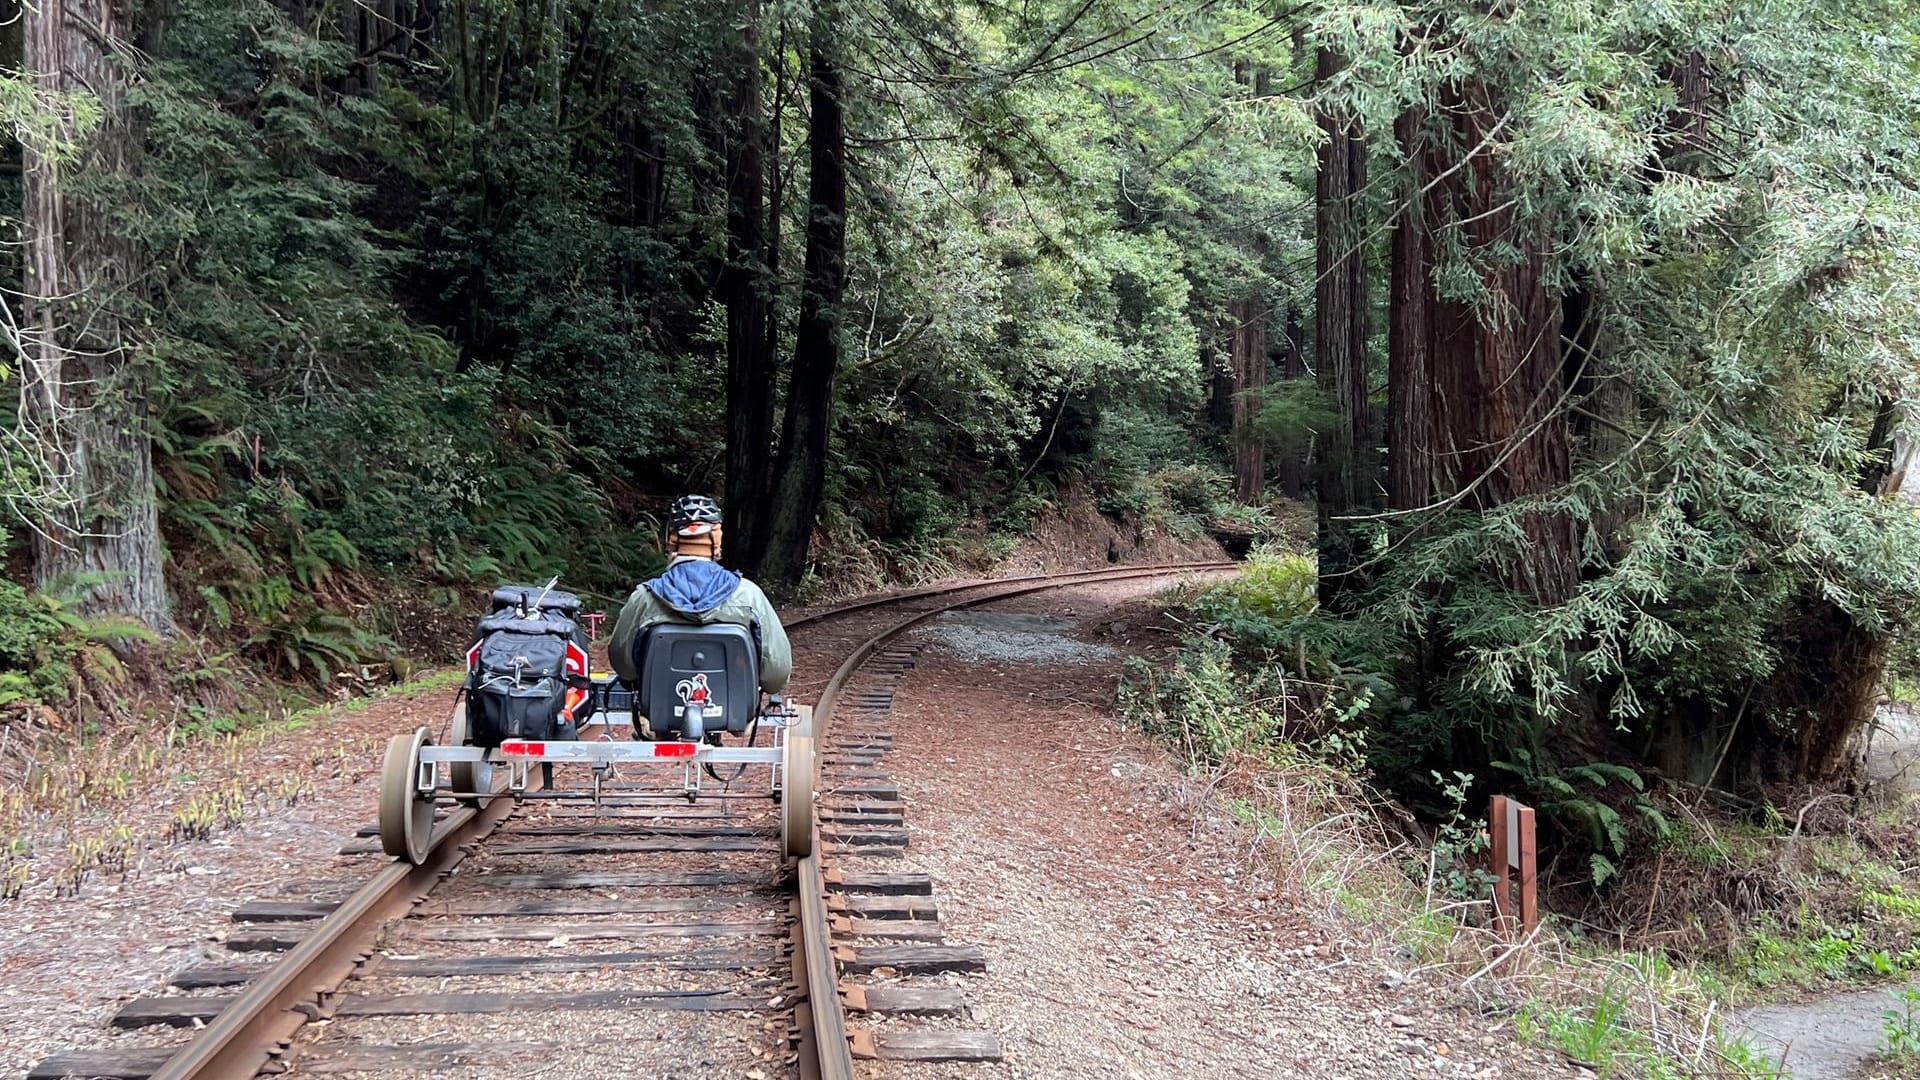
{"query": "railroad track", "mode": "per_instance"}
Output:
(739, 971)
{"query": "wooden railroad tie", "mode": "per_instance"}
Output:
(672, 957)
(591, 931)
(905, 1000)
(887, 929)
(884, 884)
(910, 959)
(926, 1045)
(625, 879)
(883, 907)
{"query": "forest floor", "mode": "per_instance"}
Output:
(67, 962)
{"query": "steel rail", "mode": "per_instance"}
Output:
(821, 1017)
(260, 1023)
(953, 587)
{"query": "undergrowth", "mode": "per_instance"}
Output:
(66, 822)
(49, 651)
(1288, 755)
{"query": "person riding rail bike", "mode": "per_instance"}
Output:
(695, 588)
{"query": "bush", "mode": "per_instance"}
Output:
(1265, 604)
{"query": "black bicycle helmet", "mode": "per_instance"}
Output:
(693, 515)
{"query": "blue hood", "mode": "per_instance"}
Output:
(694, 587)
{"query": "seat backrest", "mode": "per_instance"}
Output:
(715, 664)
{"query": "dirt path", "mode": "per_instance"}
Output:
(1126, 935)
(1828, 1039)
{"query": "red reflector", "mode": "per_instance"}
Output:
(523, 748)
(675, 749)
(576, 697)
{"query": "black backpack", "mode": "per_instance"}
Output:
(529, 650)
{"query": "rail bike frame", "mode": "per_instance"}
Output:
(603, 752)
(417, 773)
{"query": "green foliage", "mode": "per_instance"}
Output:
(1719, 491)
(1900, 1025)
(1895, 903)
(1776, 958)
(1265, 603)
(45, 645)
(427, 334)
(1594, 1036)
(1214, 710)
(1602, 800)
(1456, 863)
(314, 431)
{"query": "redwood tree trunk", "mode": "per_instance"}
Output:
(1495, 400)
(1346, 472)
(805, 436)
(1409, 367)
(744, 287)
(1249, 352)
(83, 390)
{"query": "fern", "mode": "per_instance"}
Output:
(1602, 869)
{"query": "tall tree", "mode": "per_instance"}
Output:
(1494, 390)
(1409, 434)
(84, 391)
(1341, 328)
(744, 289)
(1248, 350)
(799, 488)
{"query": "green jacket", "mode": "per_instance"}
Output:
(695, 590)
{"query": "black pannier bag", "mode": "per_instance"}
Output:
(530, 650)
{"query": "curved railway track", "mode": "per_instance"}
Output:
(709, 867)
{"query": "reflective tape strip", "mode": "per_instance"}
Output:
(618, 751)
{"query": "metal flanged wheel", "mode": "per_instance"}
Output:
(406, 816)
(796, 797)
(469, 775)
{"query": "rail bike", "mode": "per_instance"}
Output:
(530, 699)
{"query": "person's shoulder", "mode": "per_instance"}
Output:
(751, 593)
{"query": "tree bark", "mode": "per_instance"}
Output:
(1341, 310)
(1410, 447)
(1497, 409)
(808, 428)
(744, 287)
(1249, 357)
(1346, 468)
(84, 392)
